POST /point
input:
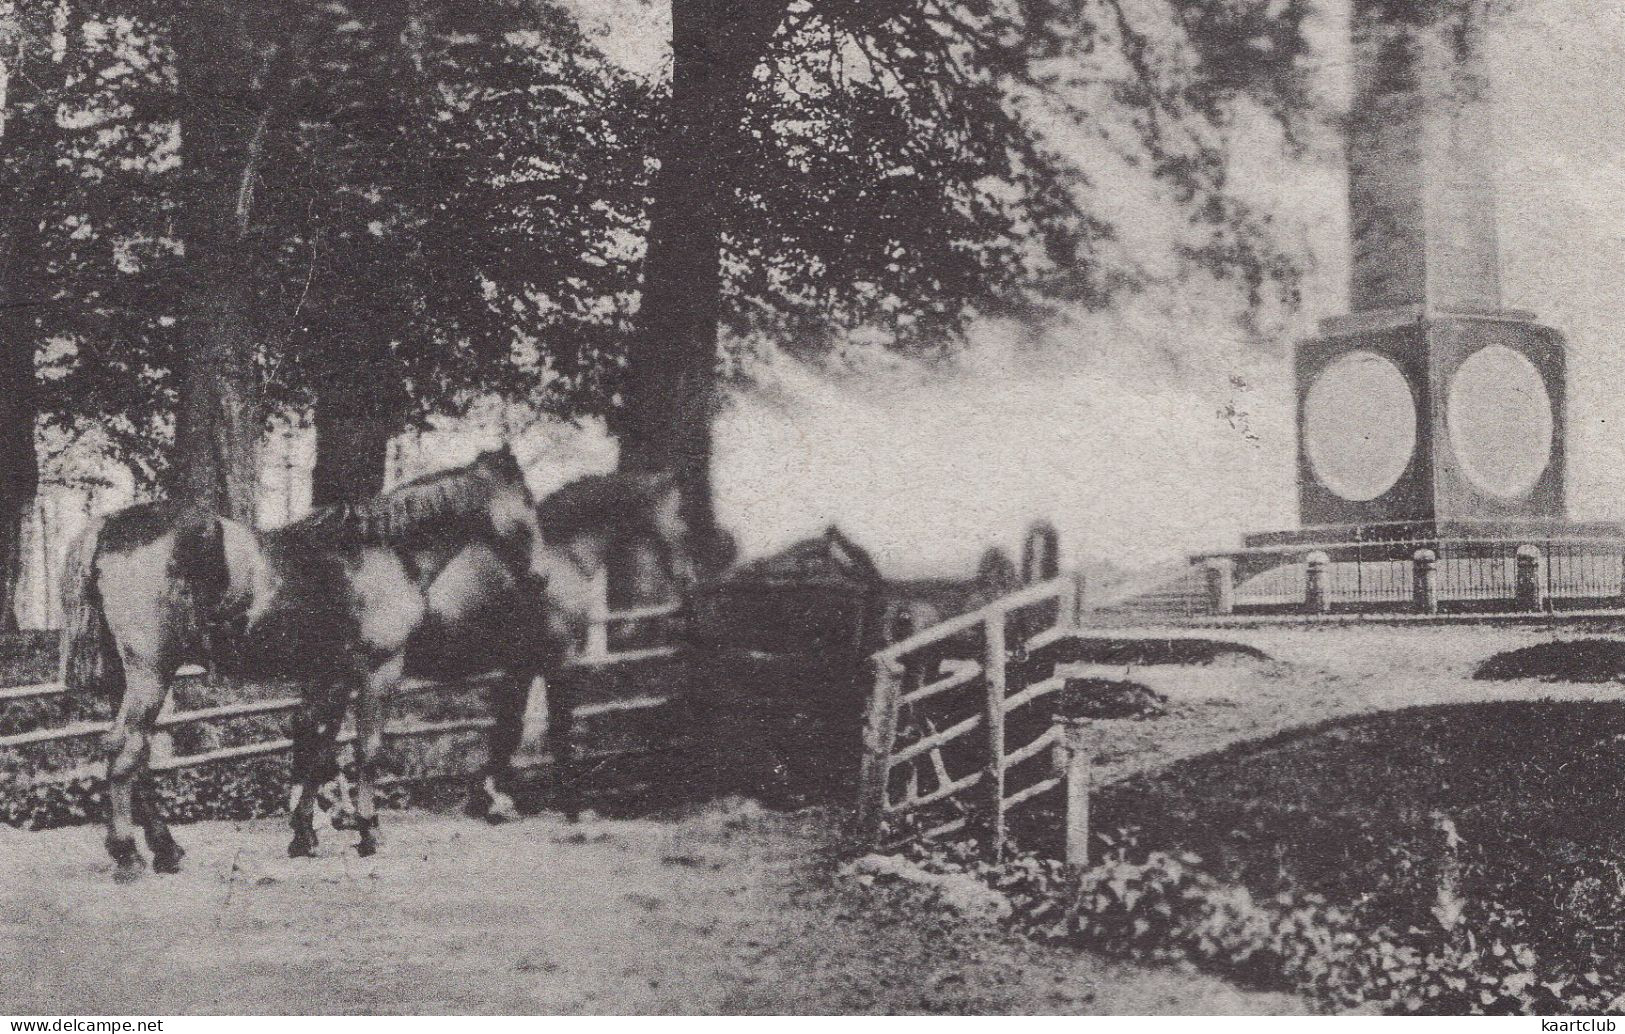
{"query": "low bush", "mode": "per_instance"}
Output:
(249, 789)
(1165, 907)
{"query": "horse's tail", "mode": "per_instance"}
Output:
(90, 658)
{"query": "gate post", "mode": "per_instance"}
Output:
(993, 670)
(1040, 554)
(598, 616)
(1317, 585)
(1072, 604)
(1072, 762)
(1221, 586)
(879, 733)
(1530, 587)
(913, 667)
(1425, 581)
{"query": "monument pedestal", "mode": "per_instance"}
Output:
(1410, 415)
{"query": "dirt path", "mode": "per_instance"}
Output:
(728, 910)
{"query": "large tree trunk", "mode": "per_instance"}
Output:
(219, 416)
(29, 129)
(670, 392)
(360, 403)
(19, 460)
(354, 424)
(225, 69)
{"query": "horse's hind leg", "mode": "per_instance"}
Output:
(315, 735)
(369, 746)
(561, 713)
(166, 854)
(128, 746)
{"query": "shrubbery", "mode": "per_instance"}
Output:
(249, 789)
(1159, 906)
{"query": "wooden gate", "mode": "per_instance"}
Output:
(979, 673)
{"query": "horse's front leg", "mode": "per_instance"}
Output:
(315, 742)
(369, 745)
(166, 853)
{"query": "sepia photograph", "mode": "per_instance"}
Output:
(738, 508)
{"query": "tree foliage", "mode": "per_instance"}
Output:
(835, 171)
(456, 199)
(444, 206)
(455, 189)
(908, 163)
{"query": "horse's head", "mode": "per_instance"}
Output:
(512, 510)
(665, 529)
(601, 515)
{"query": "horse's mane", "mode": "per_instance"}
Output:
(616, 503)
(411, 511)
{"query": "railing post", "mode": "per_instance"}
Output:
(992, 785)
(1317, 587)
(879, 733)
(1425, 581)
(1072, 760)
(902, 624)
(1221, 586)
(1530, 587)
(161, 745)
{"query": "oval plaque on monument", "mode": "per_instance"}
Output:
(1500, 419)
(1359, 425)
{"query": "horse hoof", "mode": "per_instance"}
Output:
(367, 848)
(129, 871)
(492, 804)
(302, 847)
(127, 860)
(168, 862)
(502, 811)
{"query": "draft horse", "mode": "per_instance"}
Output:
(625, 519)
(333, 598)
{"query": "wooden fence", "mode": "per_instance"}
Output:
(901, 672)
(597, 655)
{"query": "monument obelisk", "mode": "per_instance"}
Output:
(1420, 168)
(1429, 402)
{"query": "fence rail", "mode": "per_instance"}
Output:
(1484, 573)
(598, 655)
(900, 683)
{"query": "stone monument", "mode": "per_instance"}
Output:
(1430, 401)
(1430, 419)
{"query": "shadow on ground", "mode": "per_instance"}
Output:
(1350, 809)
